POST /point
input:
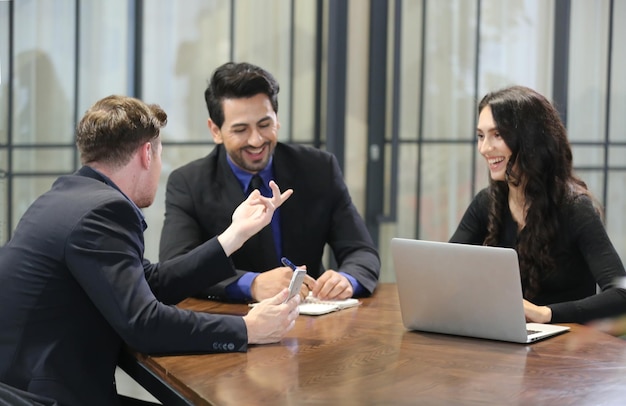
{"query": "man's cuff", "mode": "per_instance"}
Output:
(357, 289)
(240, 290)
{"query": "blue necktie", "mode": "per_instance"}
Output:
(265, 237)
(255, 183)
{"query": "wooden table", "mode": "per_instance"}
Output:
(364, 356)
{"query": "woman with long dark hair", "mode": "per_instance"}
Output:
(536, 205)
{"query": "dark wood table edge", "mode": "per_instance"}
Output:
(150, 381)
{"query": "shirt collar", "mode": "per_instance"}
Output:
(245, 177)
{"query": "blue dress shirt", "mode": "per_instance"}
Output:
(241, 289)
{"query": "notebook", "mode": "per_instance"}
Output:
(466, 290)
(312, 306)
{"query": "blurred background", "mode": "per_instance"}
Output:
(390, 87)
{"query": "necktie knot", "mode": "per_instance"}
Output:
(255, 183)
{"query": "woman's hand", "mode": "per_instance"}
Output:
(537, 314)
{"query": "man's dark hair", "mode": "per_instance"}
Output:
(235, 81)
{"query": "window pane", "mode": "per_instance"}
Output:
(615, 219)
(448, 111)
(54, 160)
(175, 156)
(588, 67)
(43, 87)
(105, 42)
(588, 156)
(410, 70)
(184, 41)
(299, 119)
(25, 191)
(407, 190)
(618, 76)
(516, 44)
(445, 189)
(617, 158)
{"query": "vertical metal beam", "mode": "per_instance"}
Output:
(560, 72)
(336, 79)
(476, 97)
(9, 174)
(376, 107)
(607, 118)
(76, 74)
(136, 53)
(391, 215)
(292, 57)
(232, 30)
(319, 41)
(420, 122)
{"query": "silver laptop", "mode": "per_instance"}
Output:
(466, 290)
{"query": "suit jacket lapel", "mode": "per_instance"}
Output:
(226, 189)
(285, 179)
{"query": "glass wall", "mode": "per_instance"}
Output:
(465, 48)
(63, 56)
(460, 50)
(42, 89)
(57, 58)
(597, 101)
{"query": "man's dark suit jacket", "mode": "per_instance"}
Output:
(74, 285)
(202, 195)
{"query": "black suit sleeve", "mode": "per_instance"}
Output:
(349, 238)
(473, 226)
(105, 255)
(201, 196)
(182, 230)
(587, 231)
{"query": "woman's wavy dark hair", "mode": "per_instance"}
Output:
(541, 164)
